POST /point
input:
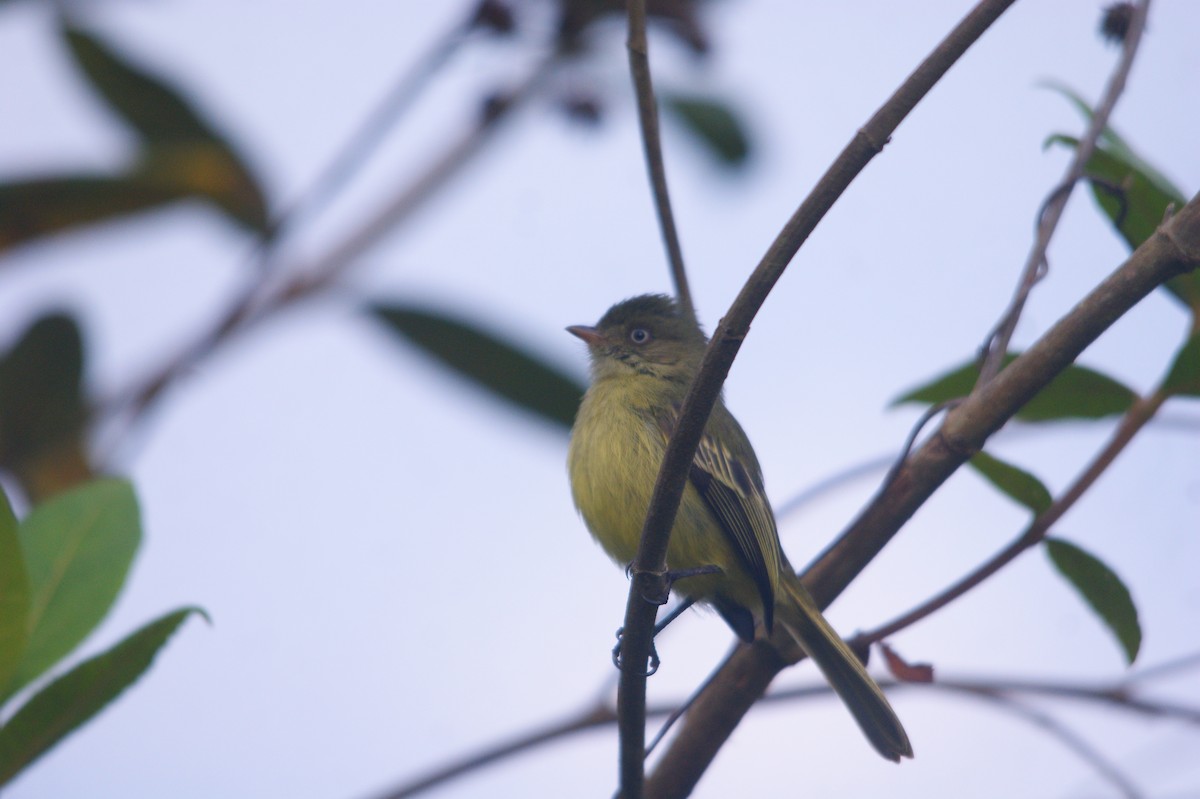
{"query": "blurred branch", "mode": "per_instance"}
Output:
(365, 141)
(639, 68)
(1173, 250)
(263, 298)
(996, 346)
(1115, 695)
(1069, 738)
(697, 743)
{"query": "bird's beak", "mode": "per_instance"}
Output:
(590, 335)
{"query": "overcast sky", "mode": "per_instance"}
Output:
(391, 560)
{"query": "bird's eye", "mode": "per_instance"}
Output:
(639, 335)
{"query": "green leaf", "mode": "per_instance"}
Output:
(1076, 393)
(1019, 485)
(1113, 143)
(14, 597)
(36, 208)
(1141, 197)
(500, 366)
(713, 123)
(183, 150)
(1184, 375)
(1102, 589)
(72, 699)
(78, 549)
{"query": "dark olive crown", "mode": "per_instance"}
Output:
(658, 313)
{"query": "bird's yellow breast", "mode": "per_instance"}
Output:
(613, 460)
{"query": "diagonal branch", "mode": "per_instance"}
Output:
(1172, 251)
(726, 341)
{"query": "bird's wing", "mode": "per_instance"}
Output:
(732, 488)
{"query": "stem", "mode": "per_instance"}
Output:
(1052, 211)
(639, 68)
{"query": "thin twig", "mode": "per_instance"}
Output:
(1069, 738)
(996, 346)
(639, 68)
(372, 132)
(597, 716)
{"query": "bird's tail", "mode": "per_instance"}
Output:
(798, 612)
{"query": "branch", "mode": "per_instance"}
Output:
(996, 346)
(1116, 695)
(1173, 250)
(1072, 740)
(1133, 421)
(648, 566)
(262, 299)
(639, 68)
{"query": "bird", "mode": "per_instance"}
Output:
(644, 352)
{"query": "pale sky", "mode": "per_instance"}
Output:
(391, 560)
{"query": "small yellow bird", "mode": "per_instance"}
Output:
(644, 355)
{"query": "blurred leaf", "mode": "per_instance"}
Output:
(1076, 393)
(1102, 589)
(1184, 376)
(42, 410)
(1142, 196)
(904, 671)
(209, 171)
(171, 129)
(713, 123)
(72, 699)
(502, 367)
(35, 208)
(78, 548)
(14, 597)
(1019, 485)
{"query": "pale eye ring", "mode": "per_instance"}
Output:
(639, 335)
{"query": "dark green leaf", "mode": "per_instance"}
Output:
(78, 548)
(1102, 589)
(72, 699)
(1019, 485)
(1113, 143)
(1076, 393)
(714, 124)
(14, 597)
(36, 208)
(41, 399)
(500, 366)
(182, 148)
(1184, 376)
(154, 109)
(1133, 194)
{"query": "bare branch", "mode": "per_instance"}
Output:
(639, 68)
(726, 341)
(1174, 250)
(1115, 695)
